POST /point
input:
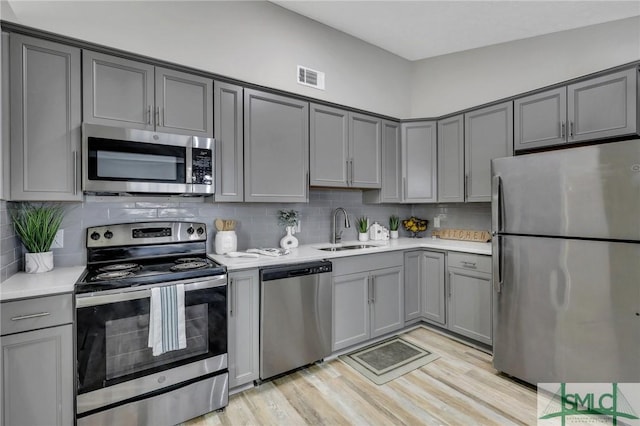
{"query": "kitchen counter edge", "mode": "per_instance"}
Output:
(311, 252)
(23, 285)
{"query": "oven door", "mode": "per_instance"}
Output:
(113, 360)
(129, 160)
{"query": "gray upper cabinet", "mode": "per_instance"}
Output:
(329, 146)
(228, 125)
(391, 191)
(540, 119)
(488, 135)
(276, 148)
(184, 103)
(346, 148)
(45, 120)
(124, 93)
(451, 160)
(117, 92)
(366, 151)
(593, 109)
(419, 162)
(603, 107)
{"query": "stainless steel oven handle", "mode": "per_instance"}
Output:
(134, 293)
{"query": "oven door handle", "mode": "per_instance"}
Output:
(135, 293)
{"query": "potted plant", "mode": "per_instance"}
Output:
(363, 227)
(289, 219)
(37, 225)
(394, 222)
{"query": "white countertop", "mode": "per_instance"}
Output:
(310, 252)
(23, 285)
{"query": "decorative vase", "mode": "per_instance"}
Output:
(363, 236)
(289, 241)
(35, 263)
(393, 234)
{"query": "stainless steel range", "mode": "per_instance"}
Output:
(141, 279)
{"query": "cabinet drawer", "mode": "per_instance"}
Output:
(39, 312)
(366, 262)
(474, 262)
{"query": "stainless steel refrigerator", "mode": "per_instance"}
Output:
(566, 264)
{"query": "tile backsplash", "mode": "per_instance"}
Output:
(257, 223)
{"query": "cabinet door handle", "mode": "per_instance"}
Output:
(24, 317)
(373, 289)
(231, 298)
(466, 186)
(571, 128)
(449, 283)
(351, 171)
(405, 190)
(163, 120)
(157, 116)
(149, 115)
(75, 172)
(562, 129)
(369, 290)
(348, 175)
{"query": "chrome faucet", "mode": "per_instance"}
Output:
(336, 237)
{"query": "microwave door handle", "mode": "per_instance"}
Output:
(188, 172)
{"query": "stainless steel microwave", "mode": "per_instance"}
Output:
(120, 160)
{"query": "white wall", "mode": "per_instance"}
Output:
(257, 42)
(450, 83)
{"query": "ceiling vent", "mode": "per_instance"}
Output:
(311, 78)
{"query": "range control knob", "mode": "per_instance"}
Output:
(190, 230)
(108, 235)
(200, 230)
(95, 236)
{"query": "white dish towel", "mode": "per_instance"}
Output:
(167, 330)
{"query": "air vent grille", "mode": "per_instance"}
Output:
(311, 78)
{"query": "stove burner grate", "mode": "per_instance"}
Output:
(120, 267)
(189, 260)
(113, 275)
(199, 264)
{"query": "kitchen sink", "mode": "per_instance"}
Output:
(349, 247)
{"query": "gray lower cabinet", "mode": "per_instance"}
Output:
(488, 135)
(345, 148)
(419, 162)
(45, 120)
(470, 296)
(124, 93)
(367, 303)
(229, 127)
(424, 286)
(37, 355)
(243, 327)
(451, 160)
(593, 109)
(276, 148)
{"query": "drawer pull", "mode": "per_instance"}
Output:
(468, 264)
(23, 317)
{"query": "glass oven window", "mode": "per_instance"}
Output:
(112, 338)
(126, 343)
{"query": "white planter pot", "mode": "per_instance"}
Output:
(393, 235)
(38, 262)
(363, 236)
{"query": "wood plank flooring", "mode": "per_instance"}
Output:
(459, 388)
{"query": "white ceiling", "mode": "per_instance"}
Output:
(421, 29)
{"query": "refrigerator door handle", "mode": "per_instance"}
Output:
(498, 264)
(496, 205)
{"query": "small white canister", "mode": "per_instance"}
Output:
(226, 241)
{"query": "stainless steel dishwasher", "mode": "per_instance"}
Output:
(295, 316)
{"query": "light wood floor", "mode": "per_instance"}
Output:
(459, 388)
